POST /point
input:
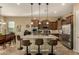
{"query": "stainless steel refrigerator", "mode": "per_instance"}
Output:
(67, 35)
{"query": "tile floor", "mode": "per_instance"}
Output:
(59, 50)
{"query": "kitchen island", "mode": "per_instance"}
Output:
(46, 38)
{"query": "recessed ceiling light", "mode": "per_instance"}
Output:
(63, 4)
(18, 3)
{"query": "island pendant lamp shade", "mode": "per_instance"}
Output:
(39, 12)
(47, 13)
(31, 13)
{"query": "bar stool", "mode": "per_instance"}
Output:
(19, 39)
(52, 43)
(39, 42)
(27, 43)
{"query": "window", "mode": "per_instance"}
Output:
(11, 26)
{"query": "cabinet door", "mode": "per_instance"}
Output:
(53, 25)
(35, 23)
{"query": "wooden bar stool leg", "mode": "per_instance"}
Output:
(20, 48)
(39, 51)
(38, 48)
(27, 53)
(52, 49)
(51, 53)
(27, 50)
(52, 43)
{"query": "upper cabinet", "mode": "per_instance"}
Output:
(68, 20)
(53, 25)
(45, 24)
(35, 23)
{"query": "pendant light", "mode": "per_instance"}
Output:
(31, 13)
(39, 13)
(1, 20)
(47, 13)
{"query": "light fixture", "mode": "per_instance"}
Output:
(31, 23)
(47, 23)
(18, 3)
(39, 12)
(39, 22)
(47, 13)
(63, 4)
(47, 10)
(34, 18)
(3, 23)
(31, 13)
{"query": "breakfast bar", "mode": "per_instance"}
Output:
(39, 36)
(46, 38)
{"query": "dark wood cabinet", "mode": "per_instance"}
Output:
(35, 23)
(43, 25)
(53, 25)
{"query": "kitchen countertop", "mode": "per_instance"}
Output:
(39, 36)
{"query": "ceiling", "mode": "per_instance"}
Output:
(24, 9)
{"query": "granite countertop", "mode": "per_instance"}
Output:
(39, 36)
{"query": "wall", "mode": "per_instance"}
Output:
(18, 21)
(76, 27)
(23, 21)
(2, 28)
(64, 17)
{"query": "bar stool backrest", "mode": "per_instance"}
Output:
(39, 42)
(52, 42)
(26, 42)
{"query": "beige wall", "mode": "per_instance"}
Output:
(23, 21)
(76, 27)
(2, 28)
(18, 21)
